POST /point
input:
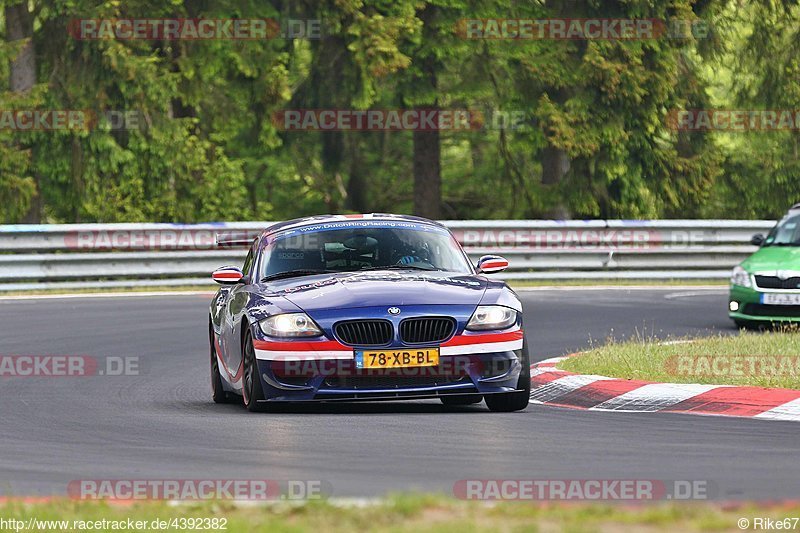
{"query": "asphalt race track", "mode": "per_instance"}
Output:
(162, 424)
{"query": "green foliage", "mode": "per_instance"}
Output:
(762, 168)
(590, 137)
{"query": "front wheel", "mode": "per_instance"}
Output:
(217, 391)
(506, 402)
(252, 393)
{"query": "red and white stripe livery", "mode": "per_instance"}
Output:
(465, 344)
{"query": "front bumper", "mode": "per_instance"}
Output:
(750, 308)
(337, 379)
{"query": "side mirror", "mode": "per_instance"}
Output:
(757, 240)
(228, 275)
(489, 264)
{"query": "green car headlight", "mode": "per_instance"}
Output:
(741, 277)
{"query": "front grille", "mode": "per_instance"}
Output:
(394, 379)
(426, 330)
(364, 332)
(791, 311)
(774, 282)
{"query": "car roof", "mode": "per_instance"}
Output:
(322, 219)
(795, 207)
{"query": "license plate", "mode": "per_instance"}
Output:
(397, 358)
(776, 298)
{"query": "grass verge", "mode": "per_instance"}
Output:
(769, 359)
(409, 512)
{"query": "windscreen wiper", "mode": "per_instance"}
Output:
(295, 273)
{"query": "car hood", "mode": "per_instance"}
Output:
(774, 258)
(368, 289)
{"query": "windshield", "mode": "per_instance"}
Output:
(351, 246)
(786, 232)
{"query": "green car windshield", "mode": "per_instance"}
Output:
(786, 232)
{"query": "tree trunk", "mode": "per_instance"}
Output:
(328, 90)
(427, 156)
(555, 165)
(357, 197)
(427, 174)
(22, 78)
(19, 25)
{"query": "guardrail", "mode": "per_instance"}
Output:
(129, 255)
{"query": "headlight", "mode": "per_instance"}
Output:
(741, 277)
(492, 317)
(290, 325)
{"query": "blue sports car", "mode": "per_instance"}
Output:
(365, 307)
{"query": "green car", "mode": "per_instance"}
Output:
(765, 287)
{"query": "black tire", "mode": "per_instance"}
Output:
(507, 402)
(467, 399)
(252, 393)
(755, 325)
(218, 393)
